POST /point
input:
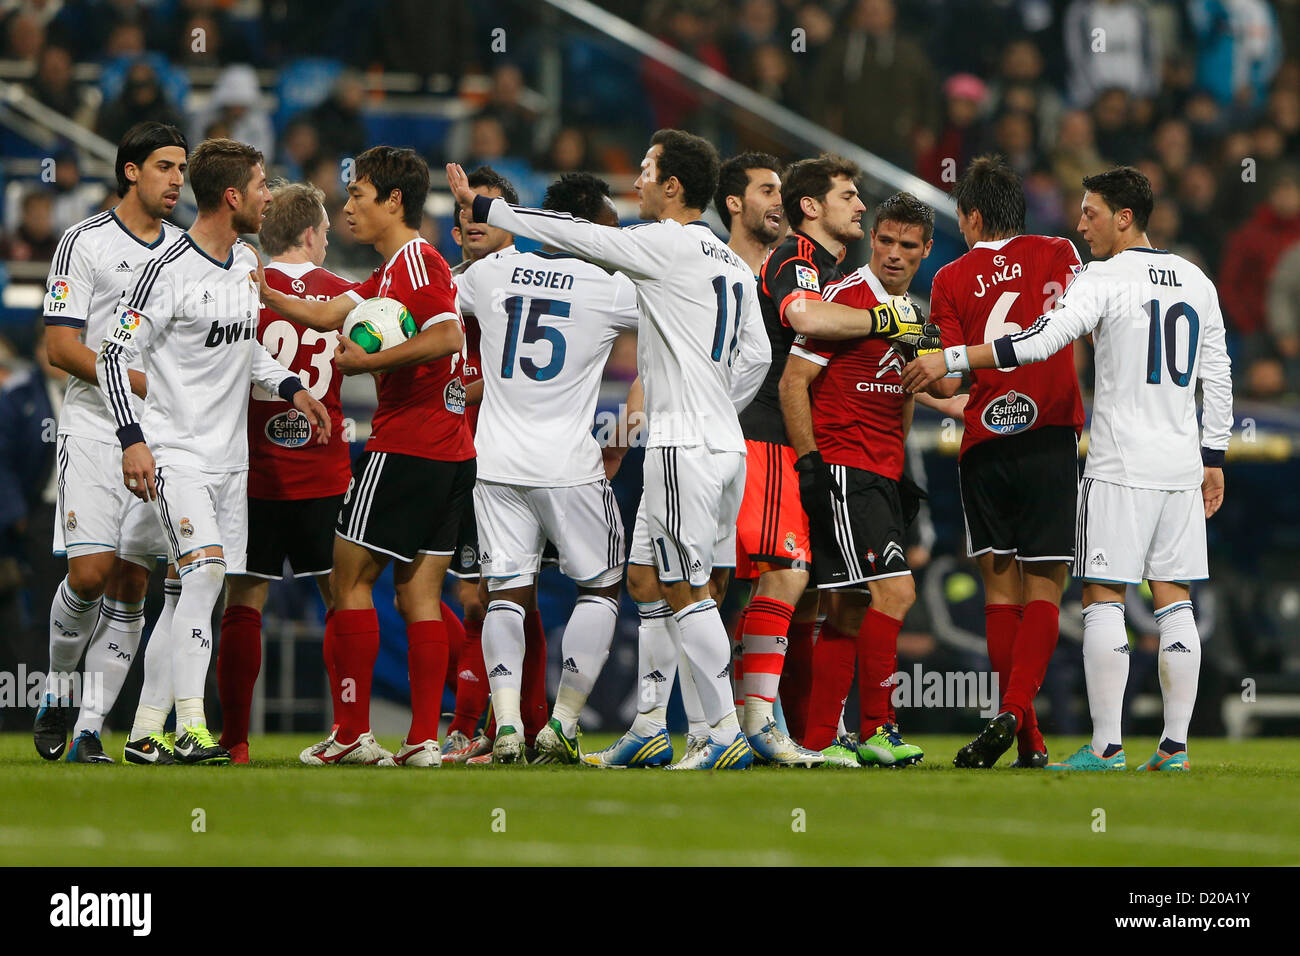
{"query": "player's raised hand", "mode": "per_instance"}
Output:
(1212, 490)
(259, 276)
(458, 182)
(350, 358)
(138, 471)
(315, 412)
(923, 370)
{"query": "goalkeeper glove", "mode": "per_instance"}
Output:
(897, 320)
(816, 483)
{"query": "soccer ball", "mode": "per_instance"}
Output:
(379, 324)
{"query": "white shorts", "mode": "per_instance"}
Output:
(515, 522)
(96, 512)
(1128, 535)
(686, 522)
(201, 510)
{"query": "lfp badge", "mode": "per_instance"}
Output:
(59, 291)
(130, 320)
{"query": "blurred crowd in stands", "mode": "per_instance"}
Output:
(1202, 95)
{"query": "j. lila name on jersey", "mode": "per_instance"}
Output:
(1004, 273)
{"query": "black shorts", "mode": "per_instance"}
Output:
(464, 563)
(1018, 494)
(861, 538)
(301, 531)
(403, 506)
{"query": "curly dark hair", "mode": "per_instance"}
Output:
(579, 194)
(692, 160)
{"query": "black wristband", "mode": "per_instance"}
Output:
(129, 435)
(290, 387)
(1213, 457)
(482, 206)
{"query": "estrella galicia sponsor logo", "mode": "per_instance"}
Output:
(453, 396)
(133, 911)
(1010, 413)
(288, 429)
(467, 556)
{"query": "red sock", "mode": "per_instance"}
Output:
(455, 644)
(426, 663)
(1000, 623)
(328, 649)
(767, 622)
(239, 659)
(878, 657)
(832, 676)
(738, 661)
(796, 678)
(533, 698)
(471, 681)
(1035, 642)
(356, 645)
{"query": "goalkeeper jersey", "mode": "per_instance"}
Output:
(1157, 330)
(194, 320)
(547, 322)
(91, 271)
(701, 350)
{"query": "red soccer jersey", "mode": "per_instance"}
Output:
(1000, 288)
(421, 407)
(472, 368)
(284, 462)
(858, 399)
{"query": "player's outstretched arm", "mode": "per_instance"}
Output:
(817, 318)
(435, 342)
(642, 253)
(796, 406)
(327, 316)
(66, 351)
(1216, 407)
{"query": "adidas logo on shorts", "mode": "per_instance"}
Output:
(1122, 649)
(725, 671)
(570, 665)
(468, 675)
(499, 671)
(655, 677)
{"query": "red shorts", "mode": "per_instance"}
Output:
(772, 529)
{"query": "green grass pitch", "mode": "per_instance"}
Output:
(1236, 807)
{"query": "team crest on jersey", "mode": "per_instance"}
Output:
(59, 291)
(1010, 413)
(806, 277)
(71, 523)
(187, 529)
(298, 286)
(789, 541)
(453, 396)
(288, 429)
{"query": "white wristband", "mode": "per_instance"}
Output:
(954, 358)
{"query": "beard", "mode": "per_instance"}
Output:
(247, 221)
(755, 221)
(847, 233)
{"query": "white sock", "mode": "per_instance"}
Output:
(156, 694)
(1105, 668)
(697, 724)
(192, 638)
(108, 661)
(189, 712)
(503, 656)
(1180, 667)
(656, 651)
(585, 648)
(72, 622)
(707, 647)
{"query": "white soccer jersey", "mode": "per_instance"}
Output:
(195, 320)
(702, 349)
(546, 322)
(91, 271)
(1157, 330)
